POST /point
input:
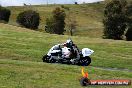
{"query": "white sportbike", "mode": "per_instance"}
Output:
(68, 56)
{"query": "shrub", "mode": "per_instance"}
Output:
(129, 34)
(4, 14)
(129, 22)
(114, 19)
(29, 19)
(75, 3)
(49, 28)
(56, 23)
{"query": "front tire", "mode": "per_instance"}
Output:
(46, 58)
(85, 61)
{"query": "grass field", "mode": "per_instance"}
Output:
(89, 17)
(21, 66)
(86, 15)
(26, 74)
(21, 51)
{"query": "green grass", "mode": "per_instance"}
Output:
(21, 51)
(25, 74)
(23, 44)
(21, 66)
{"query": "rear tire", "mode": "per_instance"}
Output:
(52, 60)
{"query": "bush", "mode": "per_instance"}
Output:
(4, 14)
(114, 19)
(129, 22)
(75, 3)
(29, 19)
(49, 28)
(56, 23)
(129, 34)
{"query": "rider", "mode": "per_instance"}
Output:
(73, 47)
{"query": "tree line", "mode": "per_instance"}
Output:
(31, 19)
(4, 14)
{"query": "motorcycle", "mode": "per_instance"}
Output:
(67, 55)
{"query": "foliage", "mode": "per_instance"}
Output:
(129, 34)
(129, 22)
(56, 23)
(49, 28)
(29, 19)
(76, 3)
(114, 19)
(4, 14)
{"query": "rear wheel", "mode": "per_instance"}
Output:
(52, 60)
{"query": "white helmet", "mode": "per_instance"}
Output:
(69, 41)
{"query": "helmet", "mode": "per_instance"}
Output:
(69, 41)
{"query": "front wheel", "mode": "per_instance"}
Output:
(46, 58)
(85, 61)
